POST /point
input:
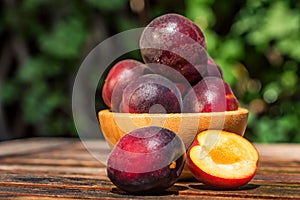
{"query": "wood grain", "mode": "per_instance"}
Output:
(186, 125)
(60, 168)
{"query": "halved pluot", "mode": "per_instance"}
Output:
(222, 159)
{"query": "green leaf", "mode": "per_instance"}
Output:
(32, 5)
(289, 79)
(9, 91)
(228, 69)
(200, 12)
(290, 46)
(212, 41)
(40, 102)
(107, 5)
(279, 21)
(232, 49)
(124, 24)
(37, 69)
(65, 40)
(267, 131)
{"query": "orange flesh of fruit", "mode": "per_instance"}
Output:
(230, 96)
(224, 154)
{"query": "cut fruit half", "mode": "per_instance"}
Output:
(222, 159)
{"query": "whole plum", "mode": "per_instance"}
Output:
(146, 160)
(151, 93)
(211, 94)
(175, 41)
(118, 78)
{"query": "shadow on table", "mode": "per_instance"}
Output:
(205, 187)
(174, 190)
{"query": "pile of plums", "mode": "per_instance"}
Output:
(177, 76)
(177, 73)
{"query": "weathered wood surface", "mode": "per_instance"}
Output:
(59, 168)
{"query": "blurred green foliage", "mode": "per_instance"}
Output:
(256, 43)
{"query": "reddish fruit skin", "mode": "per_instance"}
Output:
(146, 160)
(182, 87)
(175, 41)
(211, 61)
(213, 69)
(118, 78)
(148, 91)
(211, 180)
(231, 100)
(211, 94)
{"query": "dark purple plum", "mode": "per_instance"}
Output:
(213, 69)
(151, 93)
(211, 94)
(118, 78)
(175, 41)
(146, 160)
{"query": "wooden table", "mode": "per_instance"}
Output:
(60, 168)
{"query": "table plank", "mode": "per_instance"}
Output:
(283, 152)
(44, 185)
(60, 168)
(31, 145)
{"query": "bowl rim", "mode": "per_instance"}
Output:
(239, 111)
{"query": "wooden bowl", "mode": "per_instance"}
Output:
(186, 125)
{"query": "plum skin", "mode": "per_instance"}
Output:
(213, 69)
(149, 90)
(118, 78)
(146, 160)
(175, 41)
(211, 94)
